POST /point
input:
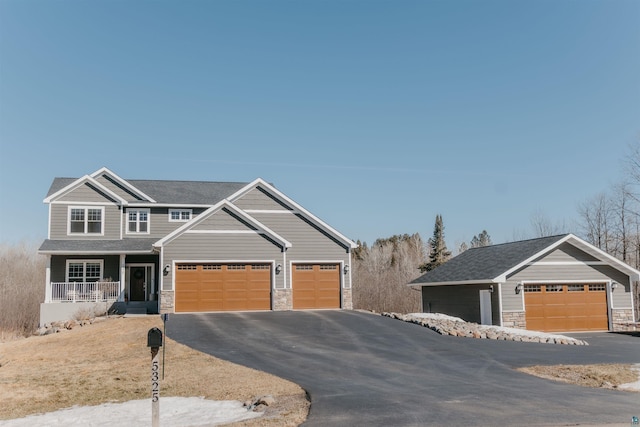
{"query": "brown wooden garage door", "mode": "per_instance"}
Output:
(222, 287)
(566, 307)
(316, 286)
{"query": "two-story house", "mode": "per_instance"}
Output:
(150, 246)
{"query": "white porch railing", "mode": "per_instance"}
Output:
(84, 291)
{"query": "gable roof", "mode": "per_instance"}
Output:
(186, 193)
(67, 185)
(492, 264)
(261, 228)
(308, 215)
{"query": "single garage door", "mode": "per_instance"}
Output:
(316, 286)
(566, 307)
(222, 287)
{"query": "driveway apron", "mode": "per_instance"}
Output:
(366, 370)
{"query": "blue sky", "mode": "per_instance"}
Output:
(374, 115)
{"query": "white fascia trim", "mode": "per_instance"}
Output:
(123, 182)
(464, 282)
(118, 252)
(270, 211)
(611, 260)
(223, 204)
(262, 183)
(582, 245)
(169, 205)
(222, 232)
(567, 263)
(80, 181)
(503, 276)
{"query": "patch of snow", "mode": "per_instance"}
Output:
(174, 411)
(635, 385)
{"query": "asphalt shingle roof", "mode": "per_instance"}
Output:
(487, 262)
(119, 246)
(185, 193)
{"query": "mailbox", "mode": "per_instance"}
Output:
(154, 338)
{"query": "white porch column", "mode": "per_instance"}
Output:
(47, 294)
(123, 272)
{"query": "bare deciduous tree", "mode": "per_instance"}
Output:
(381, 274)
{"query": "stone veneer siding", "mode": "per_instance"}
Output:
(622, 320)
(514, 319)
(167, 302)
(347, 303)
(282, 299)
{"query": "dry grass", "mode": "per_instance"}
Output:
(599, 376)
(109, 362)
(21, 289)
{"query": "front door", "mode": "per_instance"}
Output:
(140, 283)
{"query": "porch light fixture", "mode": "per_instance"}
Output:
(278, 268)
(346, 268)
(166, 269)
(519, 287)
(614, 285)
(491, 288)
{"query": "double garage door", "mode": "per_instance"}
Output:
(566, 307)
(240, 287)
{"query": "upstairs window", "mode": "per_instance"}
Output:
(138, 221)
(86, 220)
(180, 215)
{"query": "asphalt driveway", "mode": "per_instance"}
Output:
(366, 370)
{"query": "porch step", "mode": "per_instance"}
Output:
(136, 311)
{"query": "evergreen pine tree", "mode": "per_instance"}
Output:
(438, 253)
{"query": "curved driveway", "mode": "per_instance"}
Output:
(366, 370)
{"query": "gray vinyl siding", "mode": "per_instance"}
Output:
(567, 253)
(460, 301)
(60, 218)
(558, 273)
(111, 266)
(260, 199)
(86, 193)
(159, 224)
(221, 247)
(309, 243)
(223, 220)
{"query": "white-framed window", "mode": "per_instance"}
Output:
(86, 220)
(180, 215)
(84, 270)
(137, 221)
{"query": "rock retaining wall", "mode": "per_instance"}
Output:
(473, 330)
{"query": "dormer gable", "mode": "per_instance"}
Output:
(120, 186)
(280, 201)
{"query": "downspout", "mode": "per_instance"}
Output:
(500, 301)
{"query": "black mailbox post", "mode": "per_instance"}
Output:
(154, 338)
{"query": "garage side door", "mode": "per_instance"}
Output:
(316, 286)
(568, 307)
(223, 287)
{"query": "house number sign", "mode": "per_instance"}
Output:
(154, 340)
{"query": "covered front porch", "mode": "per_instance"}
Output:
(88, 285)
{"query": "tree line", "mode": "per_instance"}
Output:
(609, 220)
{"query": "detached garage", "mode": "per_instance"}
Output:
(551, 284)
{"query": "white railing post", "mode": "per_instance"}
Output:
(123, 272)
(47, 293)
